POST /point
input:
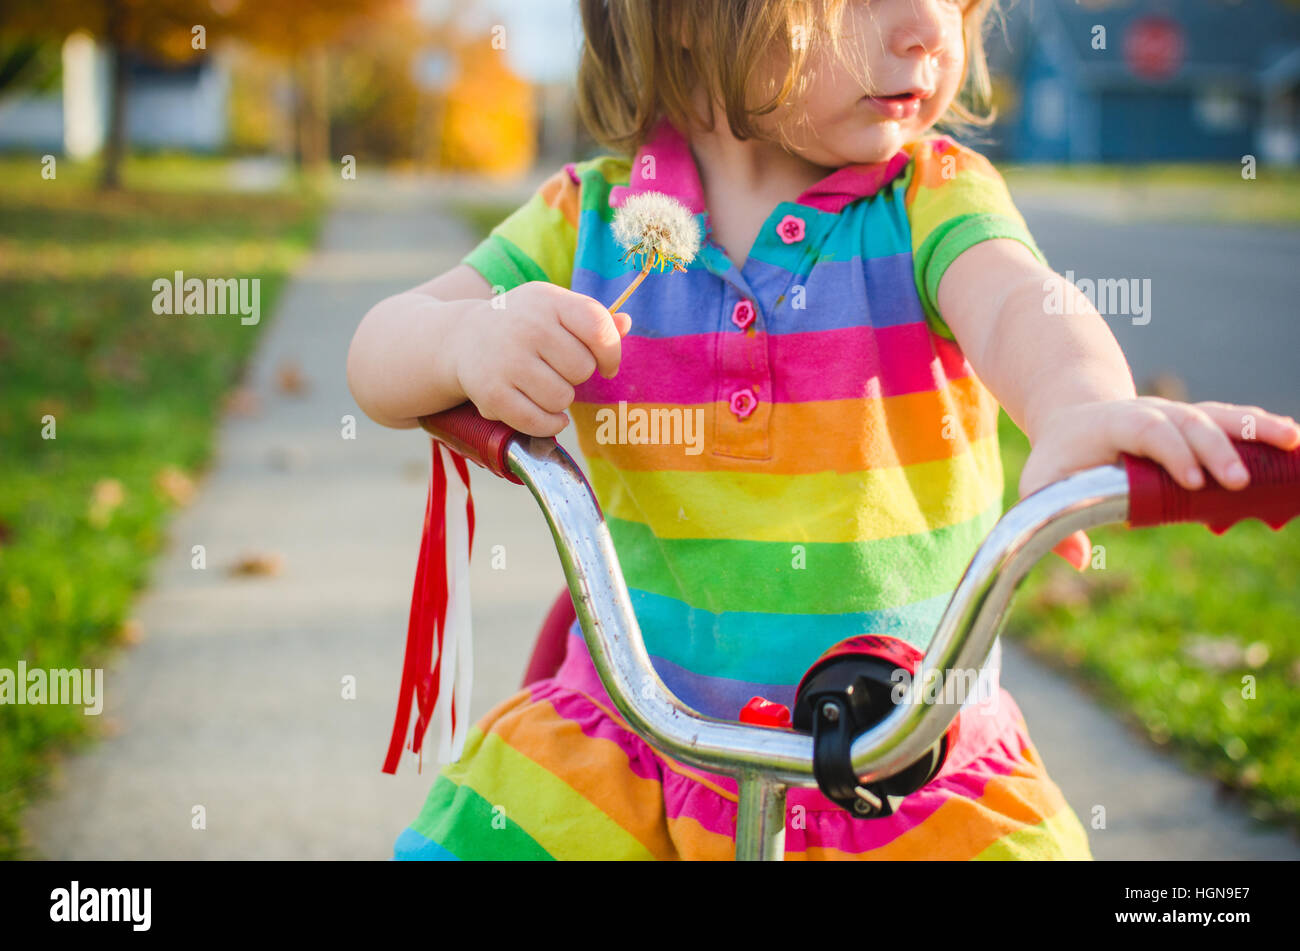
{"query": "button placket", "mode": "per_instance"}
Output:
(744, 382)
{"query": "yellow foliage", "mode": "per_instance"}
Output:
(259, 121)
(489, 115)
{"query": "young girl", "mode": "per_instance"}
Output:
(866, 297)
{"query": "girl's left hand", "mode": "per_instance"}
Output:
(1180, 436)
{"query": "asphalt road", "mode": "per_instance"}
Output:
(1224, 300)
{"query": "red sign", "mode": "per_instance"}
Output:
(1154, 47)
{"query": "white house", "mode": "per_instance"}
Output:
(182, 106)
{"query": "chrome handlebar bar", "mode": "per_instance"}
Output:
(765, 760)
(776, 758)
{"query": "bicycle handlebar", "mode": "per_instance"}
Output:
(1271, 496)
(1138, 491)
(482, 441)
(1154, 497)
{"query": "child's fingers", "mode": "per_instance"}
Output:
(527, 417)
(1210, 444)
(624, 323)
(589, 321)
(550, 392)
(519, 412)
(1150, 432)
(568, 356)
(1251, 422)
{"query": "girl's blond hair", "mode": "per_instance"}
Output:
(636, 68)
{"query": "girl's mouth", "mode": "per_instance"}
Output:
(902, 106)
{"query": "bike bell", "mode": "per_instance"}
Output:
(849, 690)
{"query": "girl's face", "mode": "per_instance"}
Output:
(915, 55)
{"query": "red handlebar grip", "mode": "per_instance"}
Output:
(1272, 495)
(482, 441)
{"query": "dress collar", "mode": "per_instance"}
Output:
(665, 164)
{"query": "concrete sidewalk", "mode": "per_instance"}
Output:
(233, 701)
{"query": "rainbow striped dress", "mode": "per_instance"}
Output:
(793, 452)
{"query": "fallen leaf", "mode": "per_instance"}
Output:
(1256, 655)
(50, 407)
(108, 492)
(1107, 583)
(1214, 653)
(131, 632)
(242, 401)
(175, 485)
(118, 364)
(289, 378)
(258, 563)
(80, 339)
(105, 498)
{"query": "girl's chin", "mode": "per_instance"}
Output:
(879, 144)
(867, 145)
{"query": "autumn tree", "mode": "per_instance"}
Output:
(298, 31)
(129, 28)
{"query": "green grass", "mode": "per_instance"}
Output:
(1203, 192)
(1142, 631)
(132, 394)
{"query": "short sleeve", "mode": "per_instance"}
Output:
(955, 199)
(537, 241)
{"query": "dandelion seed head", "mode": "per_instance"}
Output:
(658, 227)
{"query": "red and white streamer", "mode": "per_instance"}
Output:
(438, 670)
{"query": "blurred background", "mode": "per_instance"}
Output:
(213, 521)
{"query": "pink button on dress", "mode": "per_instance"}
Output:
(743, 402)
(790, 229)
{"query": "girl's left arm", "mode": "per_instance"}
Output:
(1062, 378)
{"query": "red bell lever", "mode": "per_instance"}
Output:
(1272, 495)
(762, 712)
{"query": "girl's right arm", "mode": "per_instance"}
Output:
(516, 356)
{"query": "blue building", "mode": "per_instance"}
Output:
(1150, 80)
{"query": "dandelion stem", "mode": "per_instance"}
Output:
(613, 308)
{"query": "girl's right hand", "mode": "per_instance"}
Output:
(519, 355)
